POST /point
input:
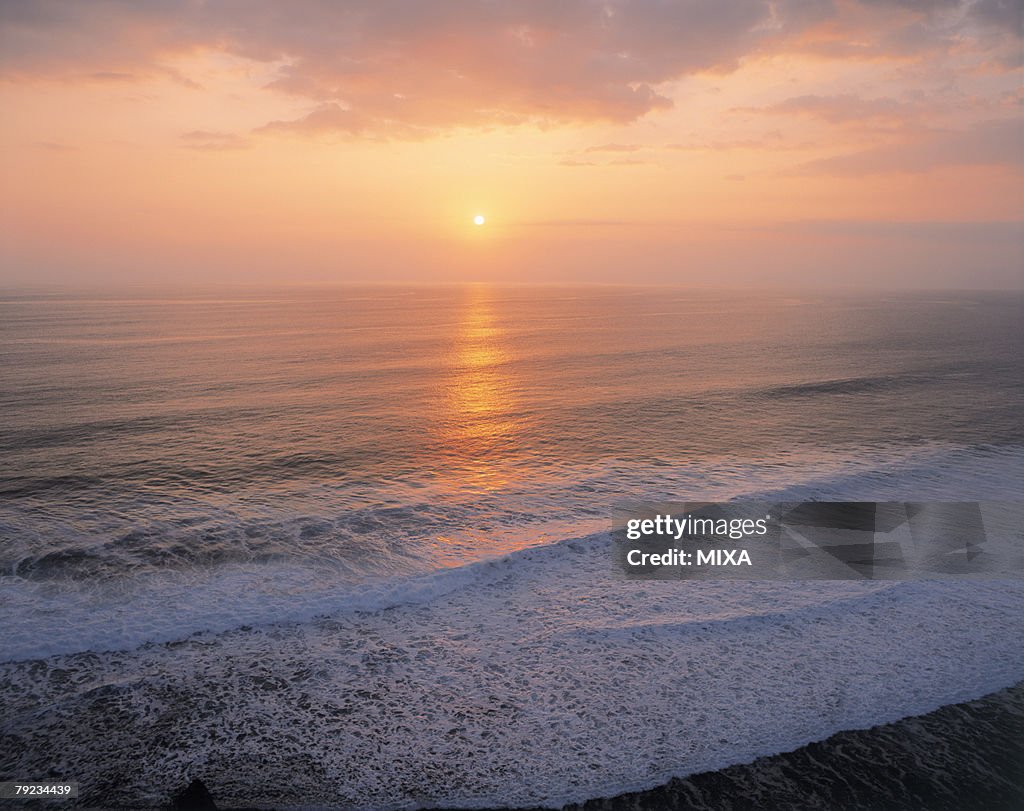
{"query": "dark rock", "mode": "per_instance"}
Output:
(194, 798)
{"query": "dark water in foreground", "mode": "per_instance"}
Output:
(966, 757)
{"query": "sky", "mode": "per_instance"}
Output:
(699, 142)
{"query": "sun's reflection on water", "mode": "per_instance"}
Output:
(480, 425)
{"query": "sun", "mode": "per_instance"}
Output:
(479, 219)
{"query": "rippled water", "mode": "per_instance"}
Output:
(460, 409)
(335, 436)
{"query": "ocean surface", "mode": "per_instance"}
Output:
(358, 535)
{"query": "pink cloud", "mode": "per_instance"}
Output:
(395, 69)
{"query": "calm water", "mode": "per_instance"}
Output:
(434, 425)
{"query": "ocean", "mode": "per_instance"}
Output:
(348, 546)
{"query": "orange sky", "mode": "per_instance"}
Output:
(859, 142)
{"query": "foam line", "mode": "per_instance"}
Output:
(542, 679)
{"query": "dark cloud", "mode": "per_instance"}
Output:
(1005, 14)
(909, 29)
(916, 5)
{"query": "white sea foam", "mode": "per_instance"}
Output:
(537, 677)
(540, 677)
(166, 604)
